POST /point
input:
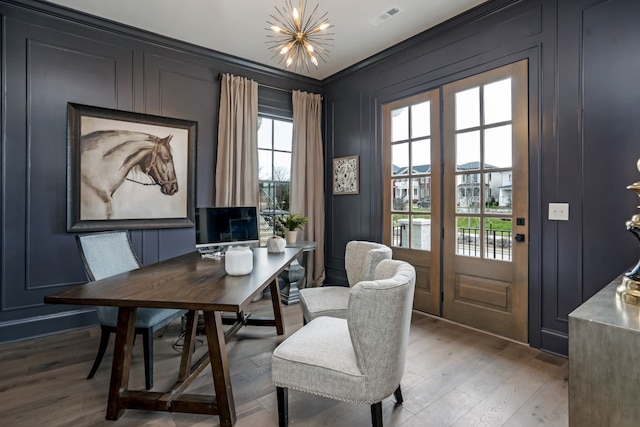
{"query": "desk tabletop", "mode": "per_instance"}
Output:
(185, 282)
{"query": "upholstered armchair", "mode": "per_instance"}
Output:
(359, 359)
(107, 254)
(360, 259)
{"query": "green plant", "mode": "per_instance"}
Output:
(294, 222)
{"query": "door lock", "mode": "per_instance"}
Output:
(519, 237)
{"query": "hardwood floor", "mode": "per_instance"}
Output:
(454, 377)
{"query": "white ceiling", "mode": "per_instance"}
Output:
(238, 27)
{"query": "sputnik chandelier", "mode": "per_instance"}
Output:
(299, 38)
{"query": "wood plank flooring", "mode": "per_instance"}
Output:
(454, 377)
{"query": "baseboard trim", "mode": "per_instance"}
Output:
(554, 342)
(39, 326)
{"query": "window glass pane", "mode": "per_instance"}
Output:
(401, 196)
(282, 191)
(400, 124)
(420, 120)
(498, 197)
(400, 159)
(264, 165)
(421, 156)
(497, 102)
(281, 166)
(468, 150)
(497, 241)
(399, 230)
(497, 147)
(468, 236)
(420, 232)
(467, 193)
(468, 108)
(266, 197)
(264, 132)
(282, 135)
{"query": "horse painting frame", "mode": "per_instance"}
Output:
(128, 170)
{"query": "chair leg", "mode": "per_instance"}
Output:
(105, 333)
(398, 395)
(147, 341)
(376, 414)
(283, 406)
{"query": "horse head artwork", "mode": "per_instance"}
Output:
(107, 158)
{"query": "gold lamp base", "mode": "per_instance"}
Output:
(629, 291)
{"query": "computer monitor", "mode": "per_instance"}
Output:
(225, 226)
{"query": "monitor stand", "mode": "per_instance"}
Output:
(212, 252)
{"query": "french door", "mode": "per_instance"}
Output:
(456, 204)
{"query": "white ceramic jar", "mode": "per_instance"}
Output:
(276, 244)
(238, 260)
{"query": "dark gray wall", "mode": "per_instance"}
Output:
(584, 91)
(52, 56)
(583, 88)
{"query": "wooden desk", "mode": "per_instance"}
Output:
(192, 283)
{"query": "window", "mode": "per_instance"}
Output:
(274, 170)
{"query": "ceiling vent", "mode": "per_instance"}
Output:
(385, 16)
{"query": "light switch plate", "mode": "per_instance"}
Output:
(559, 211)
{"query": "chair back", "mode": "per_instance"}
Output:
(361, 259)
(379, 317)
(106, 254)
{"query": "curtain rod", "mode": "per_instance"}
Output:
(275, 88)
(263, 85)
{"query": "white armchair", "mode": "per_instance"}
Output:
(359, 359)
(360, 259)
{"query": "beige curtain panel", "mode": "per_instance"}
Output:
(307, 178)
(237, 163)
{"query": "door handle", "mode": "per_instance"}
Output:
(519, 237)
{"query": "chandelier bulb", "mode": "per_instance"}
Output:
(314, 60)
(296, 16)
(289, 61)
(276, 28)
(286, 48)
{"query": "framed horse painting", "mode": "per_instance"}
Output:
(128, 170)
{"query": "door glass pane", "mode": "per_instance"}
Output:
(400, 230)
(468, 150)
(400, 124)
(421, 232)
(421, 156)
(498, 192)
(468, 108)
(264, 132)
(400, 159)
(420, 120)
(497, 102)
(422, 203)
(468, 236)
(282, 135)
(468, 193)
(497, 147)
(497, 241)
(401, 196)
